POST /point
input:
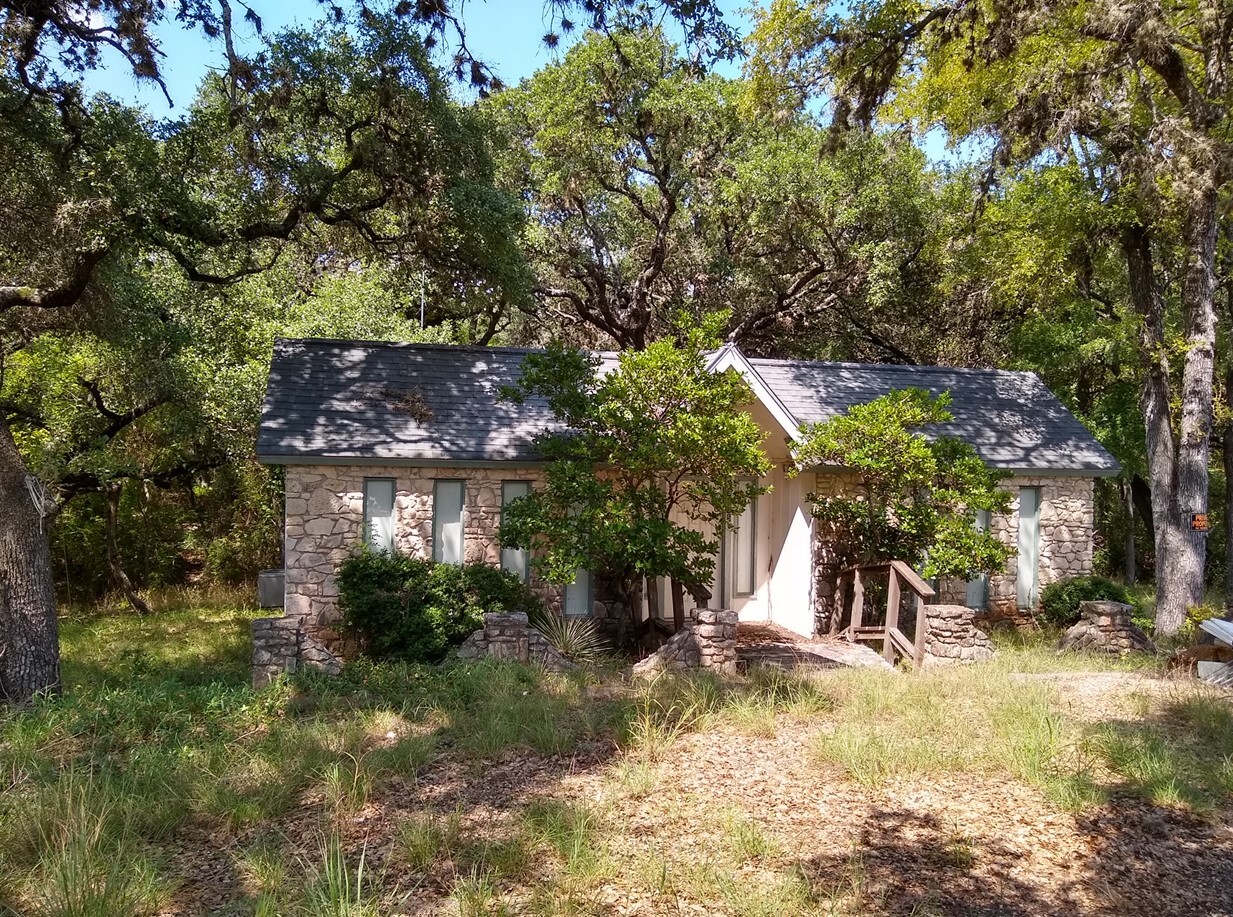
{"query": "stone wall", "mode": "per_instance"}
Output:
(511, 638)
(953, 638)
(1106, 627)
(325, 519)
(1066, 528)
(283, 646)
(829, 555)
(707, 641)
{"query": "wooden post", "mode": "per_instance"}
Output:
(922, 628)
(858, 599)
(892, 614)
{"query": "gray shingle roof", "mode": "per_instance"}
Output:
(1011, 418)
(353, 401)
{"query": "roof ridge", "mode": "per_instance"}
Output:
(881, 367)
(408, 345)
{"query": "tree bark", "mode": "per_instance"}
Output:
(1130, 565)
(114, 491)
(1195, 434)
(1227, 451)
(29, 638)
(1154, 402)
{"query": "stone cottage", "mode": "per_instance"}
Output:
(410, 447)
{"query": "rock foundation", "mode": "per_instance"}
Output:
(953, 638)
(1106, 627)
(509, 636)
(283, 646)
(708, 641)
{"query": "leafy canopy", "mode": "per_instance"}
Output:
(917, 496)
(658, 452)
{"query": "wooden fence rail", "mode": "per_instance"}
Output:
(894, 642)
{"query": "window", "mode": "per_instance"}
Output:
(578, 595)
(516, 560)
(746, 551)
(1029, 547)
(447, 498)
(379, 513)
(978, 588)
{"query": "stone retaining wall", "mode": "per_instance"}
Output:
(510, 637)
(953, 638)
(1106, 627)
(707, 641)
(283, 646)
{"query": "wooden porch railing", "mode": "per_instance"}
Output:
(893, 640)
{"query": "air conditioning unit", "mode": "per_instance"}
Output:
(270, 588)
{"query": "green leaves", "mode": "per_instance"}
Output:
(658, 454)
(917, 497)
(413, 610)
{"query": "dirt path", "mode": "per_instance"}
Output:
(967, 844)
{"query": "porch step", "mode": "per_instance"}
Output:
(819, 654)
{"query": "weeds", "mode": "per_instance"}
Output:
(160, 730)
(336, 888)
(425, 839)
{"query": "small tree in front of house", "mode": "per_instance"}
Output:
(656, 454)
(917, 496)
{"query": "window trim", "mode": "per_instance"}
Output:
(978, 586)
(436, 519)
(1032, 592)
(588, 599)
(737, 592)
(526, 572)
(366, 524)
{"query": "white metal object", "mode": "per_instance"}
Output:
(1219, 628)
(43, 503)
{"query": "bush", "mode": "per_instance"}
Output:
(1059, 602)
(399, 607)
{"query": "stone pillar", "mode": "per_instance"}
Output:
(715, 635)
(1106, 627)
(507, 636)
(276, 648)
(282, 646)
(708, 641)
(953, 638)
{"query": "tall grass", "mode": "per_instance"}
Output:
(963, 720)
(160, 738)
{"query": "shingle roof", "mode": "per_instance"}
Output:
(354, 401)
(1011, 418)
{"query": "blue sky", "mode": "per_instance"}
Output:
(505, 34)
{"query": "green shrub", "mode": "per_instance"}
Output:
(1059, 602)
(399, 607)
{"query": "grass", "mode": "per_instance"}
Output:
(160, 739)
(963, 720)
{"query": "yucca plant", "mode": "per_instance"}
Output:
(577, 639)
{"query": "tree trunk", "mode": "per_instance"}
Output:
(1128, 537)
(118, 576)
(29, 639)
(1195, 435)
(1154, 402)
(678, 605)
(1227, 451)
